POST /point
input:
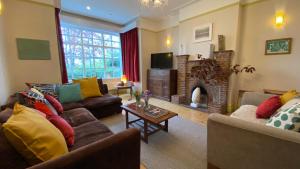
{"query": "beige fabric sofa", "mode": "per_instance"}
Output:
(243, 142)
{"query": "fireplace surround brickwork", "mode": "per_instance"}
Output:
(217, 93)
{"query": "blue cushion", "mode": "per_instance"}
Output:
(69, 93)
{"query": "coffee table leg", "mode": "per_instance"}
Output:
(126, 116)
(166, 128)
(130, 94)
(145, 131)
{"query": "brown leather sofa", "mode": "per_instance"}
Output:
(103, 106)
(95, 146)
(99, 106)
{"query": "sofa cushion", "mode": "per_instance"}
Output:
(288, 119)
(64, 127)
(78, 116)
(10, 158)
(288, 96)
(89, 87)
(96, 102)
(268, 107)
(90, 132)
(248, 113)
(55, 103)
(73, 105)
(69, 93)
(33, 135)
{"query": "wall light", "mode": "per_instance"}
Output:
(279, 19)
(168, 42)
(1, 7)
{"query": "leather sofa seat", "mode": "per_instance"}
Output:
(95, 102)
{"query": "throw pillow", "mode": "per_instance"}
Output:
(89, 87)
(288, 96)
(268, 107)
(64, 128)
(50, 89)
(31, 98)
(69, 93)
(288, 119)
(33, 136)
(45, 109)
(55, 103)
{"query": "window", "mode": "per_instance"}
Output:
(91, 53)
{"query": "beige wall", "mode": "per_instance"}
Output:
(273, 71)
(4, 83)
(173, 35)
(25, 19)
(225, 22)
(148, 44)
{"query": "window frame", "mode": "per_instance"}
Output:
(91, 45)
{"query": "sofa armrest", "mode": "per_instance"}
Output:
(234, 144)
(119, 151)
(105, 89)
(254, 98)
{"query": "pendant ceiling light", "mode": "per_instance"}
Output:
(154, 3)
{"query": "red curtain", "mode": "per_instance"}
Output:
(63, 68)
(130, 54)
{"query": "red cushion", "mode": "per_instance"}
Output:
(45, 109)
(55, 103)
(64, 128)
(268, 107)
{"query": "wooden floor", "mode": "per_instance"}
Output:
(184, 112)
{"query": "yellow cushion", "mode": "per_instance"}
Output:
(33, 136)
(288, 96)
(89, 87)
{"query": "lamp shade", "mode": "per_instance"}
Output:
(124, 79)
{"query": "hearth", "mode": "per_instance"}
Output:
(189, 79)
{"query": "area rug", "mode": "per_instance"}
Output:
(183, 147)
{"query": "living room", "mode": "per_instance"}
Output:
(150, 84)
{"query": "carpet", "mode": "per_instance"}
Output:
(183, 147)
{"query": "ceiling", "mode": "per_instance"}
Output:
(121, 11)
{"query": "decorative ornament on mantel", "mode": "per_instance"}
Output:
(212, 73)
(154, 3)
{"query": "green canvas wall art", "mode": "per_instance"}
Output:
(278, 46)
(32, 49)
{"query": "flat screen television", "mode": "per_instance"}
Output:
(162, 60)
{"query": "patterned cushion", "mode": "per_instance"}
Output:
(288, 119)
(50, 89)
(31, 97)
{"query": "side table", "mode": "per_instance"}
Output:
(125, 87)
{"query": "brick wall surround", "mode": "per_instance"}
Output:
(217, 94)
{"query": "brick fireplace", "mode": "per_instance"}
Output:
(188, 79)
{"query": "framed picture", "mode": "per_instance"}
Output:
(278, 46)
(203, 33)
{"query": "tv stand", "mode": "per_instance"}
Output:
(162, 83)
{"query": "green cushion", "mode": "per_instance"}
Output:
(287, 119)
(69, 93)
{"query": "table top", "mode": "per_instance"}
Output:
(124, 87)
(140, 112)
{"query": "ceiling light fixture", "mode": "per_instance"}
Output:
(88, 7)
(154, 3)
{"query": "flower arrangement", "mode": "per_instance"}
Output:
(137, 94)
(146, 95)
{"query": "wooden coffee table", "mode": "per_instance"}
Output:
(147, 124)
